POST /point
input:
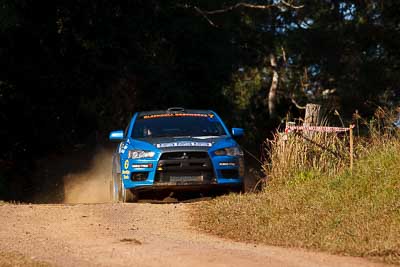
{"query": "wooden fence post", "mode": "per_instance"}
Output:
(312, 115)
(311, 118)
(351, 148)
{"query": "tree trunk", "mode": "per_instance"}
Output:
(311, 118)
(272, 96)
(312, 115)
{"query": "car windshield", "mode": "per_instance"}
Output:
(177, 125)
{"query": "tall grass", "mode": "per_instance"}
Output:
(293, 154)
(313, 200)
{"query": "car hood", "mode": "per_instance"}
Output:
(201, 143)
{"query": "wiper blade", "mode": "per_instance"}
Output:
(206, 136)
(173, 136)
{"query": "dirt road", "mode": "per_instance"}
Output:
(140, 234)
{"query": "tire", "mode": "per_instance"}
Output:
(118, 193)
(115, 185)
(129, 196)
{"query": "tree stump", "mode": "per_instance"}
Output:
(312, 117)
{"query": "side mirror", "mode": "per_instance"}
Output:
(237, 132)
(116, 135)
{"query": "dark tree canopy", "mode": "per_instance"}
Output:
(72, 70)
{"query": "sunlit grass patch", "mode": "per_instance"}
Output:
(312, 206)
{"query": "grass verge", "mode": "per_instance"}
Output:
(15, 259)
(350, 213)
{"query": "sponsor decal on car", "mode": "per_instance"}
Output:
(126, 164)
(122, 148)
(169, 115)
(184, 144)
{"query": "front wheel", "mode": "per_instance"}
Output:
(118, 193)
(128, 195)
(115, 188)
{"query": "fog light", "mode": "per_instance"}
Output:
(139, 176)
(225, 164)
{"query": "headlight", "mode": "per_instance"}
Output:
(229, 151)
(140, 154)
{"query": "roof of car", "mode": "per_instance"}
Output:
(174, 110)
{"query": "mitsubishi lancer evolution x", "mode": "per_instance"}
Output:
(178, 150)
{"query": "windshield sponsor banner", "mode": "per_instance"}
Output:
(169, 115)
(184, 144)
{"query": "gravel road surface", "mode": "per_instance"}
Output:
(140, 234)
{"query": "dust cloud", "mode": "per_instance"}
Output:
(91, 186)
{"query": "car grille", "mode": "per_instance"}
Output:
(184, 155)
(184, 168)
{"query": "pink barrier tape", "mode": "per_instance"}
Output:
(321, 129)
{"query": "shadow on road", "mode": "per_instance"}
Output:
(177, 197)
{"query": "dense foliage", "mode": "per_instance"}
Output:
(72, 70)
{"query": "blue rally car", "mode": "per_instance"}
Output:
(177, 150)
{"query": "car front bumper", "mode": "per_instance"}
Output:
(197, 173)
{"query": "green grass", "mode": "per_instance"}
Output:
(340, 212)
